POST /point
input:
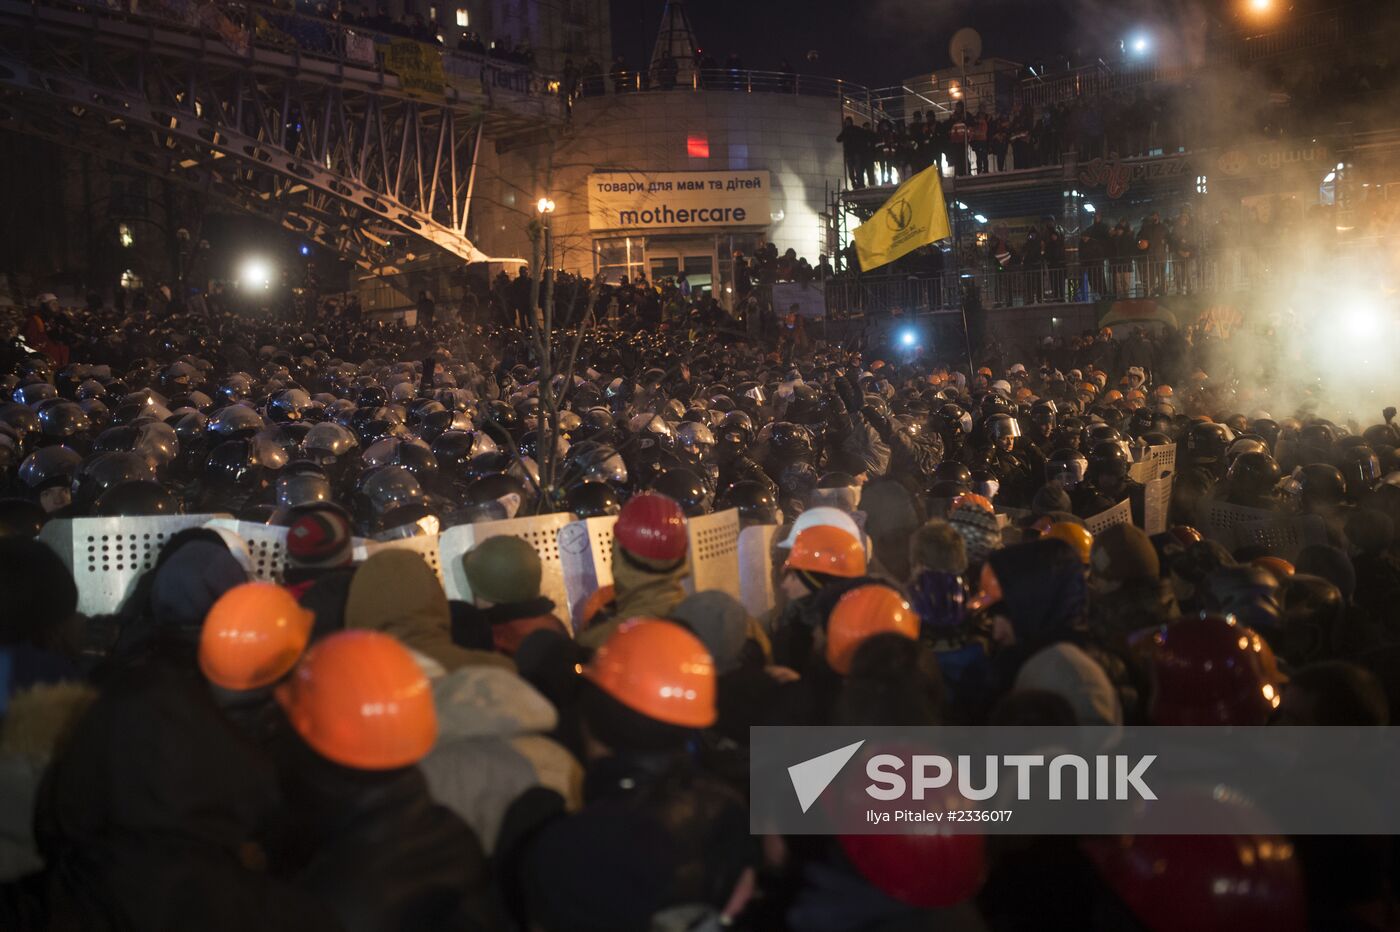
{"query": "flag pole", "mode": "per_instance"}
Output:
(957, 268)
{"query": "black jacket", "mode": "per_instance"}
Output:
(148, 816)
(374, 847)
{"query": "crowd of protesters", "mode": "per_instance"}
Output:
(348, 749)
(983, 139)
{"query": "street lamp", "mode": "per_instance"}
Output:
(1140, 44)
(255, 273)
(1261, 6)
(544, 205)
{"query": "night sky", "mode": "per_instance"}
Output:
(879, 42)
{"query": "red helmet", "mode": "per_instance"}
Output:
(1211, 670)
(1211, 883)
(652, 526)
(924, 870)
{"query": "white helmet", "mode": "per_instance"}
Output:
(823, 517)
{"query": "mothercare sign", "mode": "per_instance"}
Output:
(669, 200)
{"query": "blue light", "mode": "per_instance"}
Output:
(908, 337)
(305, 249)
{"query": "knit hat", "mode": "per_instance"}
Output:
(1050, 498)
(1122, 553)
(978, 528)
(320, 540)
(1067, 671)
(503, 570)
(937, 546)
(721, 623)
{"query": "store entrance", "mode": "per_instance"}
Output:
(669, 256)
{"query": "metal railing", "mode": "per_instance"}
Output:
(284, 28)
(744, 81)
(1043, 284)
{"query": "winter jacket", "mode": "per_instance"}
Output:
(510, 623)
(639, 592)
(655, 832)
(395, 592)
(1136, 604)
(375, 847)
(491, 748)
(858, 438)
(35, 723)
(148, 816)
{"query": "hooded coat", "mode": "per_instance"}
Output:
(492, 748)
(396, 593)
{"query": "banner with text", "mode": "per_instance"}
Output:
(668, 200)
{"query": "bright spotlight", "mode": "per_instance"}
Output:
(1362, 323)
(980, 218)
(1090, 208)
(1261, 6)
(907, 337)
(1139, 44)
(255, 273)
(305, 249)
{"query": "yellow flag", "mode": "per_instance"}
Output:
(914, 216)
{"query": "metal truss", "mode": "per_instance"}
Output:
(333, 154)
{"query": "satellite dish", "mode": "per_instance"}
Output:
(965, 47)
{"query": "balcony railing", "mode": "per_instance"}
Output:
(1041, 284)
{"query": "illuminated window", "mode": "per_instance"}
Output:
(1200, 184)
(697, 146)
(462, 19)
(620, 258)
(130, 279)
(124, 235)
(432, 14)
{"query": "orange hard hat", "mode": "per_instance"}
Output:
(985, 371)
(1112, 395)
(861, 613)
(988, 589)
(659, 669)
(971, 500)
(253, 635)
(1163, 391)
(359, 699)
(1278, 566)
(1076, 535)
(830, 550)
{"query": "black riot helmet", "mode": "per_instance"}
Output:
(592, 500)
(684, 487)
(134, 499)
(755, 501)
(1254, 474)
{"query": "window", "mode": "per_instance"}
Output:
(463, 20)
(620, 258)
(432, 13)
(697, 146)
(124, 235)
(1201, 184)
(130, 279)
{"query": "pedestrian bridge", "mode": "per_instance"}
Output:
(363, 143)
